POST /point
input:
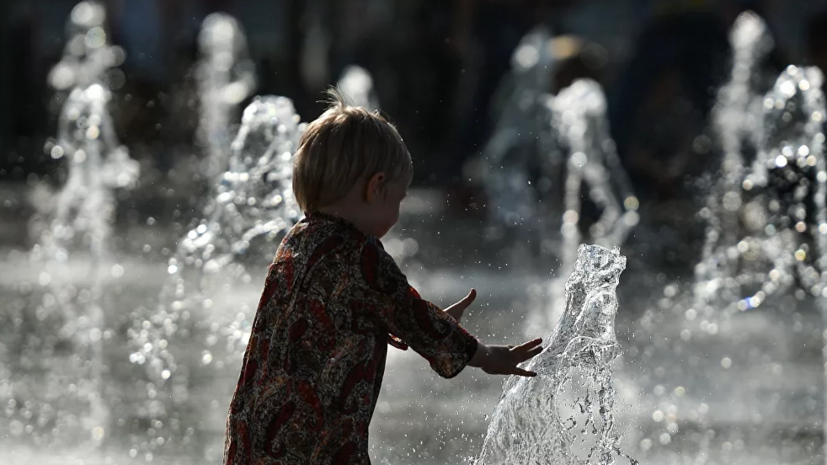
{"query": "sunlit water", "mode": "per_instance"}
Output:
(60, 334)
(738, 126)
(226, 76)
(88, 56)
(579, 119)
(356, 84)
(565, 415)
(78, 383)
(521, 130)
(249, 211)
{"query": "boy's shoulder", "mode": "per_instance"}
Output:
(316, 236)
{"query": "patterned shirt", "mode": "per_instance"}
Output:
(333, 301)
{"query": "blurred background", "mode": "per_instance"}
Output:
(110, 354)
(436, 70)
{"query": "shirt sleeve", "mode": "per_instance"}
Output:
(427, 329)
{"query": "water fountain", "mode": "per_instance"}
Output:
(252, 206)
(579, 119)
(737, 123)
(356, 84)
(69, 327)
(764, 226)
(534, 421)
(97, 164)
(88, 57)
(750, 313)
(784, 225)
(570, 133)
(226, 77)
(740, 386)
(522, 123)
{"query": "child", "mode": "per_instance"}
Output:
(334, 299)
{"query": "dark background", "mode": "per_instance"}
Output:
(437, 66)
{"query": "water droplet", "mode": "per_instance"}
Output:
(117, 271)
(57, 152)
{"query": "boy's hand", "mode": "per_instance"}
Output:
(503, 360)
(458, 308)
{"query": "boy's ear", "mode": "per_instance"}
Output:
(375, 186)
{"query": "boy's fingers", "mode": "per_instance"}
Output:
(533, 352)
(520, 372)
(467, 300)
(458, 308)
(529, 345)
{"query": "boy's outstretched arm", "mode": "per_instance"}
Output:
(497, 360)
(504, 360)
(434, 334)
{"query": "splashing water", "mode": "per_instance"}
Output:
(252, 206)
(74, 252)
(508, 154)
(98, 164)
(534, 421)
(67, 328)
(87, 57)
(579, 118)
(85, 205)
(784, 223)
(254, 200)
(738, 126)
(779, 226)
(767, 224)
(357, 85)
(226, 76)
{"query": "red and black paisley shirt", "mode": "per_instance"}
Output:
(333, 301)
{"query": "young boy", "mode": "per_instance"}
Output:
(333, 301)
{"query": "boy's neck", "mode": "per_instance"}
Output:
(347, 213)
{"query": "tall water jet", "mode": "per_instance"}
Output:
(88, 56)
(766, 239)
(59, 394)
(777, 225)
(523, 120)
(252, 206)
(738, 126)
(85, 208)
(791, 171)
(97, 164)
(565, 415)
(226, 77)
(71, 326)
(356, 84)
(784, 226)
(579, 120)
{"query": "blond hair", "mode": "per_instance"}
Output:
(343, 146)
